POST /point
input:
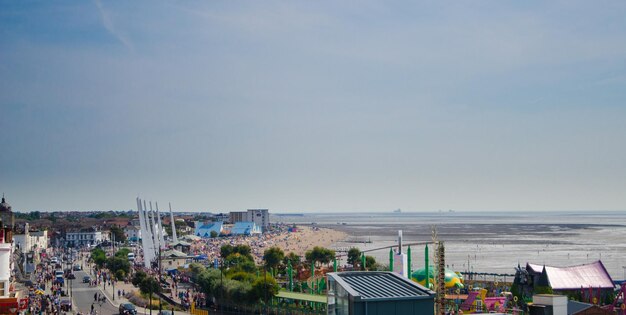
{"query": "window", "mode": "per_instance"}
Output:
(2, 288)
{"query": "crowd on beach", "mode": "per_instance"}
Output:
(289, 239)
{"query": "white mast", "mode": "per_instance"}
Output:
(160, 226)
(144, 234)
(174, 237)
(152, 224)
(149, 250)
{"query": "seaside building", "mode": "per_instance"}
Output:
(238, 216)
(87, 237)
(173, 259)
(260, 217)
(181, 246)
(245, 228)
(377, 293)
(549, 304)
(593, 278)
(132, 232)
(8, 297)
(204, 229)
(31, 240)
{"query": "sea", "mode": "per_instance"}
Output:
(485, 242)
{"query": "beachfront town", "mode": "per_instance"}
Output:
(154, 261)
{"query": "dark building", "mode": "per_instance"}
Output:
(377, 293)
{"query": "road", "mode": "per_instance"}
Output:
(82, 297)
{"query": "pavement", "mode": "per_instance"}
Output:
(83, 296)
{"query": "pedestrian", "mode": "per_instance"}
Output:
(119, 293)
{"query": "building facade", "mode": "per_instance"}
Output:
(31, 241)
(133, 233)
(238, 216)
(260, 217)
(83, 238)
(6, 248)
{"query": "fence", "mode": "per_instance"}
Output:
(233, 309)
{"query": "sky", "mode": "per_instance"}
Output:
(313, 106)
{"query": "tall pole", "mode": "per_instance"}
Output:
(159, 281)
(290, 273)
(363, 261)
(408, 252)
(113, 276)
(426, 267)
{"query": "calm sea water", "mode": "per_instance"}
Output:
(487, 241)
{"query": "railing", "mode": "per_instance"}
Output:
(233, 309)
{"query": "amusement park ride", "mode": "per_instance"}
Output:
(453, 296)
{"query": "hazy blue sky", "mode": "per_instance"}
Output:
(314, 105)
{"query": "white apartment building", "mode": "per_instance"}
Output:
(83, 238)
(30, 241)
(132, 232)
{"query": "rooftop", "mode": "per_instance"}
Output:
(592, 275)
(374, 285)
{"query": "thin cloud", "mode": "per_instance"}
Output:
(110, 27)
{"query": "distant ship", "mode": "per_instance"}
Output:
(397, 211)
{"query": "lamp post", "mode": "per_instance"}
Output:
(113, 254)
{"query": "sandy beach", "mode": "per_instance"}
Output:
(308, 237)
(298, 242)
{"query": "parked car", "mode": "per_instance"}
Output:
(86, 279)
(164, 312)
(127, 309)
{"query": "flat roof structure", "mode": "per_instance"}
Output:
(377, 293)
(381, 285)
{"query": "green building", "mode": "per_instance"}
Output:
(377, 293)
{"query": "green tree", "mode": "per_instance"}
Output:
(293, 258)
(354, 256)
(371, 263)
(263, 285)
(148, 285)
(117, 263)
(118, 233)
(273, 257)
(98, 256)
(120, 274)
(226, 250)
(213, 234)
(209, 281)
(138, 278)
(319, 254)
(123, 253)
